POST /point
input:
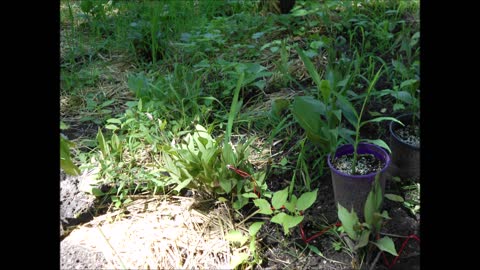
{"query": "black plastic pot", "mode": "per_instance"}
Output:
(352, 190)
(405, 157)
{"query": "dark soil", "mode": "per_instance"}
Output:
(409, 134)
(290, 252)
(366, 164)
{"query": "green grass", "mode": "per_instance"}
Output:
(146, 73)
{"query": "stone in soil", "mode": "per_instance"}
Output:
(366, 163)
(73, 256)
(409, 134)
(75, 206)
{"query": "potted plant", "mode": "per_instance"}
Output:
(354, 166)
(405, 140)
(321, 116)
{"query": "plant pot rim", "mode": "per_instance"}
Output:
(380, 149)
(391, 125)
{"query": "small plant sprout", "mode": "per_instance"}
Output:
(356, 120)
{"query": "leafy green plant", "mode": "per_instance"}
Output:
(239, 238)
(360, 234)
(294, 207)
(200, 162)
(319, 117)
(355, 119)
(66, 162)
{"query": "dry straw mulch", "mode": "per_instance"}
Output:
(161, 233)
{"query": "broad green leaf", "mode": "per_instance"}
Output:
(349, 220)
(317, 44)
(309, 65)
(264, 206)
(394, 198)
(255, 227)
(226, 184)
(65, 162)
(111, 127)
(386, 244)
(363, 240)
(227, 154)
(115, 142)
(102, 144)
(250, 195)
(346, 134)
(300, 12)
(414, 39)
(284, 161)
(290, 222)
(279, 198)
(97, 192)
(238, 259)
(378, 142)
(325, 91)
(236, 236)
(398, 107)
(408, 83)
(63, 126)
(384, 214)
(315, 250)
(279, 218)
(292, 204)
(404, 96)
(222, 199)
(306, 200)
(380, 119)
(308, 111)
(140, 105)
(370, 207)
(338, 114)
(348, 109)
(317, 139)
(183, 184)
(257, 35)
(278, 106)
(310, 53)
(239, 203)
(114, 121)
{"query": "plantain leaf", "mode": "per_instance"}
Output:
(264, 206)
(386, 244)
(394, 198)
(348, 109)
(236, 236)
(306, 200)
(349, 220)
(309, 65)
(279, 198)
(308, 111)
(255, 227)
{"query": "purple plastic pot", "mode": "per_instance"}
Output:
(405, 157)
(352, 190)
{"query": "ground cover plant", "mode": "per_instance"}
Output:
(234, 106)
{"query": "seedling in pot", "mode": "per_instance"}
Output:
(360, 234)
(355, 119)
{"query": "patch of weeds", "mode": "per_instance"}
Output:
(361, 237)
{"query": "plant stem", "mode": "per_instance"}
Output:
(357, 128)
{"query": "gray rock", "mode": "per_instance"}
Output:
(73, 256)
(75, 206)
